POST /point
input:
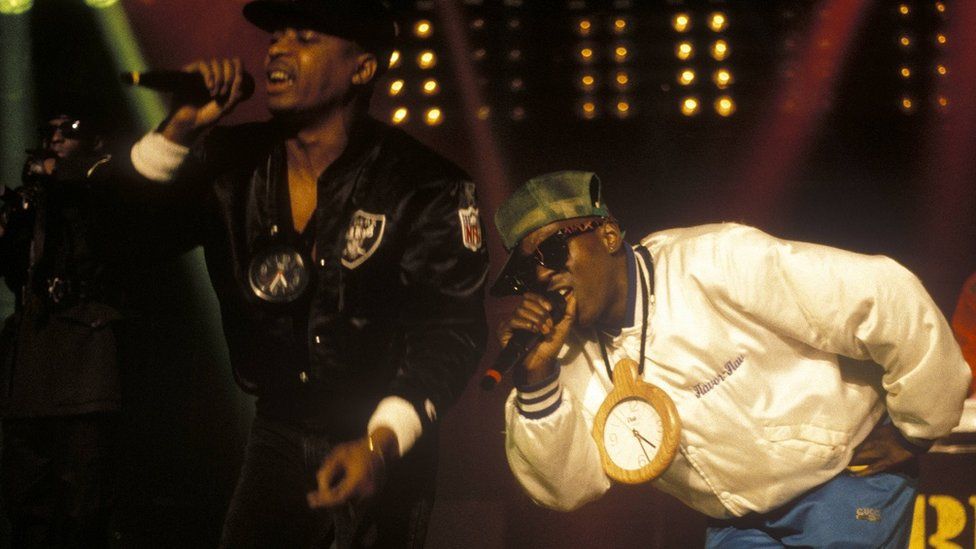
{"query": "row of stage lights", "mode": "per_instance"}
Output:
(684, 50)
(908, 44)
(402, 88)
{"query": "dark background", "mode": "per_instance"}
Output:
(820, 147)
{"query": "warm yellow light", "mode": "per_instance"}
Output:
(620, 53)
(686, 77)
(620, 26)
(433, 117)
(689, 106)
(907, 104)
(15, 7)
(684, 51)
(622, 79)
(586, 54)
(623, 106)
(423, 29)
(724, 106)
(431, 87)
(426, 60)
(395, 59)
(400, 115)
(396, 88)
(484, 112)
(587, 81)
(941, 39)
(722, 78)
(905, 72)
(681, 22)
(943, 101)
(903, 9)
(905, 41)
(588, 110)
(584, 27)
(940, 7)
(720, 50)
(717, 21)
(942, 70)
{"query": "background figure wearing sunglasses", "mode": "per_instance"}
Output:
(785, 439)
(59, 388)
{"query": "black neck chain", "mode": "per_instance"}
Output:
(644, 322)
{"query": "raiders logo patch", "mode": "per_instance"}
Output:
(470, 228)
(362, 238)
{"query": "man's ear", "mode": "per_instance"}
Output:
(612, 238)
(365, 69)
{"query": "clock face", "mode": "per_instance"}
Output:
(278, 275)
(633, 434)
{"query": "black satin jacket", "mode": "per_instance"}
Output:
(398, 265)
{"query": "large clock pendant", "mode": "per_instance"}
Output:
(278, 274)
(637, 428)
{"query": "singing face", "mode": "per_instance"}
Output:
(585, 269)
(308, 71)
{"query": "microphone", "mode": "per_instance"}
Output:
(190, 83)
(521, 343)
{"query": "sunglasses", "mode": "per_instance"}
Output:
(552, 253)
(70, 129)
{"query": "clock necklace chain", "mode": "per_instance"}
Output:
(643, 337)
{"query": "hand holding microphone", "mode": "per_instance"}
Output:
(195, 107)
(533, 336)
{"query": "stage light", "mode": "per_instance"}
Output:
(942, 101)
(620, 54)
(941, 39)
(622, 108)
(423, 29)
(681, 22)
(686, 77)
(905, 72)
(621, 25)
(940, 7)
(724, 106)
(433, 117)
(689, 106)
(622, 80)
(720, 50)
(518, 113)
(907, 105)
(588, 110)
(941, 70)
(586, 55)
(479, 54)
(396, 87)
(904, 41)
(100, 4)
(717, 21)
(587, 82)
(903, 9)
(426, 60)
(684, 51)
(722, 78)
(584, 27)
(15, 7)
(431, 87)
(395, 59)
(400, 115)
(484, 112)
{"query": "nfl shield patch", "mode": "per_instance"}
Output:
(362, 238)
(470, 228)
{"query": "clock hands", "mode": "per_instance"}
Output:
(641, 437)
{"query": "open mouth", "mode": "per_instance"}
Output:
(279, 79)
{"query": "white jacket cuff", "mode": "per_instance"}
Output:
(157, 158)
(398, 415)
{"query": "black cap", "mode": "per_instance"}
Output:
(368, 23)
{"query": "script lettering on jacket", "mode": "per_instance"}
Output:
(727, 370)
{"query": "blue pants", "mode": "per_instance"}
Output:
(847, 512)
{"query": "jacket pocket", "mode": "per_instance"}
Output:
(808, 442)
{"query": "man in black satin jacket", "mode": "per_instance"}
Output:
(348, 262)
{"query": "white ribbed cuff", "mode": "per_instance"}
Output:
(539, 402)
(399, 416)
(157, 158)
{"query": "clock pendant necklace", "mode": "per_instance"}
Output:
(637, 428)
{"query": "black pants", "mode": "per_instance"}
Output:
(269, 507)
(59, 479)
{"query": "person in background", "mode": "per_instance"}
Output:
(784, 440)
(349, 264)
(59, 391)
